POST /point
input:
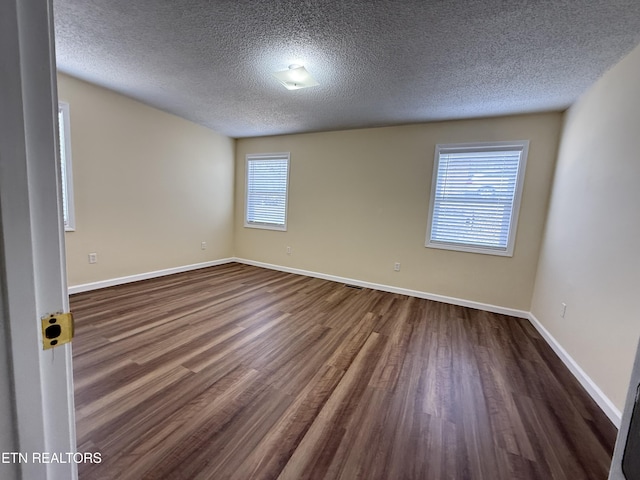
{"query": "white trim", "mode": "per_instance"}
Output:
(515, 145)
(32, 242)
(589, 385)
(86, 287)
(605, 404)
(334, 278)
(388, 288)
(63, 107)
(265, 157)
(266, 226)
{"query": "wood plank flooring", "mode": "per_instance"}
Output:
(237, 372)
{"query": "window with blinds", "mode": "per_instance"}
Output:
(475, 197)
(64, 141)
(267, 191)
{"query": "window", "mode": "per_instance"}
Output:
(475, 197)
(65, 166)
(267, 188)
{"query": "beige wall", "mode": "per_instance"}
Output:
(149, 187)
(590, 258)
(358, 202)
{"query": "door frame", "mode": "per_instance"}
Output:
(32, 252)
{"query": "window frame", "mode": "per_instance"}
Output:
(267, 157)
(523, 147)
(67, 179)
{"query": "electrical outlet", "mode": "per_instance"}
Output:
(563, 311)
(93, 258)
(203, 245)
(288, 250)
(396, 267)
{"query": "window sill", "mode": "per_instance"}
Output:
(508, 252)
(277, 228)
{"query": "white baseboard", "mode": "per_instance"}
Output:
(387, 288)
(144, 276)
(589, 385)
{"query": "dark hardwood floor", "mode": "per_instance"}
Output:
(236, 372)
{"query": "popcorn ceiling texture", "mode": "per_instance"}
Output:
(379, 62)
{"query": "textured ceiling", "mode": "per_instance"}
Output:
(379, 62)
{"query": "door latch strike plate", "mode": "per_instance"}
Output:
(57, 329)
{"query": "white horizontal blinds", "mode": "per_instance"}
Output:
(267, 190)
(63, 166)
(474, 197)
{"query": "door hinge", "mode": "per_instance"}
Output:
(57, 329)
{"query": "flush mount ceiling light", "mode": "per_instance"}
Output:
(295, 78)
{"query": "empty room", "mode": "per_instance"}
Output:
(320, 240)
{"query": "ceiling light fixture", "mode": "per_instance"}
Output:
(295, 78)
